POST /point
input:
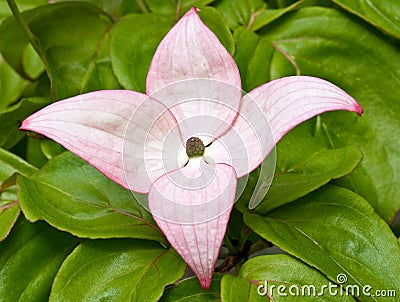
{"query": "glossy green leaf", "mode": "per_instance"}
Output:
(309, 137)
(297, 173)
(336, 231)
(241, 12)
(246, 42)
(78, 59)
(12, 117)
(39, 88)
(115, 8)
(16, 49)
(31, 62)
(260, 55)
(9, 207)
(174, 8)
(11, 84)
(134, 41)
(279, 3)
(280, 277)
(325, 43)
(214, 21)
(189, 290)
(384, 14)
(136, 37)
(117, 270)
(34, 153)
(266, 174)
(100, 74)
(30, 259)
(313, 171)
(22, 6)
(10, 163)
(50, 148)
(73, 196)
(234, 289)
(263, 17)
(12, 44)
(9, 212)
(71, 37)
(253, 14)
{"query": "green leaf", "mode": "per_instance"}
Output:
(133, 43)
(34, 154)
(12, 44)
(30, 259)
(12, 117)
(11, 84)
(284, 279)
(100, 75)
(246, 42)
(263, 17)
(50, 148)
(9, 207)
(265, 178)
(215, 22)
(253, 14)
(9, 212)
(240, 12)
(234, 289)
(174, 8)
(115, 8)
(297, 173)
(190, 290)
(22, 6)
(31, 62)
(17, 51)
(73, 196)
(336, 231)
(313, 40)
(10, 163)
(71, 37)
(313, 171)
(259, 67)
(76, 55)
(39, 88)
(117, 270)
(136, 37)
(384, 14)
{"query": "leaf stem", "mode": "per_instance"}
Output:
(231, 248)
(142, 6)
(246, 231)
(7, 206)
(178, 9)
(31, 37)
(291, 60)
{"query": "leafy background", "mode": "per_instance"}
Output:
(69, 234)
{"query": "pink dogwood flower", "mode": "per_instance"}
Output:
(187, 140)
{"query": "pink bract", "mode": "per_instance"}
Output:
(193, 90)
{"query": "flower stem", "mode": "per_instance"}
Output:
(21, 21)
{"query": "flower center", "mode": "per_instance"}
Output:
(194, 147)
